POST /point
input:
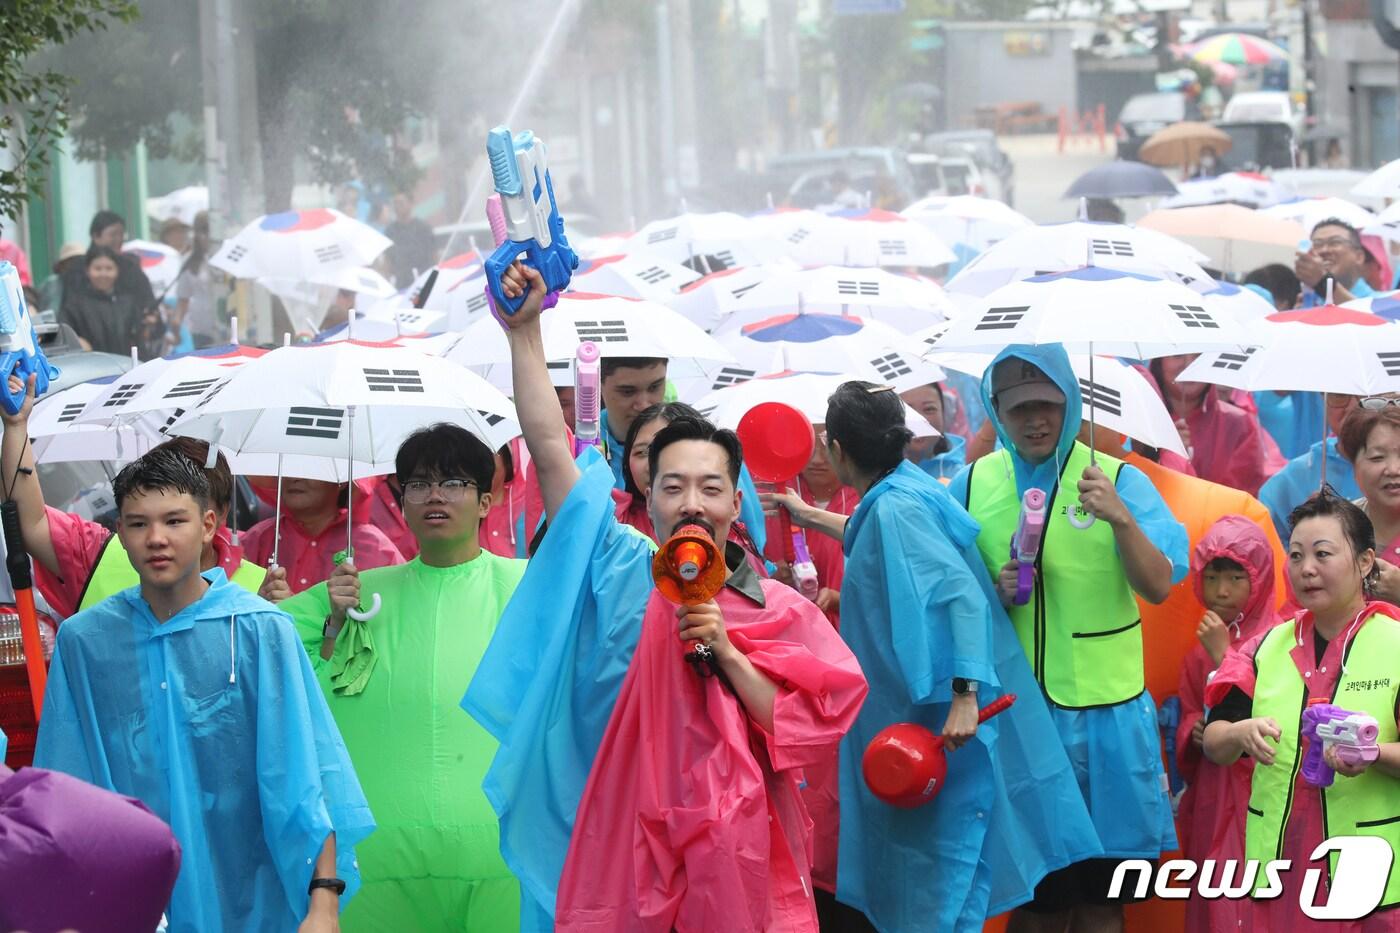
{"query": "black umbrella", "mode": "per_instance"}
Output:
(1120, 179)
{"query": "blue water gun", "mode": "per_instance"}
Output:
(532, 225)
(1168, 718)
(19, 344)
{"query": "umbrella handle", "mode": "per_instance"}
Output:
(1080, 523)
(364, 615)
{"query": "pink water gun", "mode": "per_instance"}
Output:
(1026, 544)
(588, 390)
(804, 570)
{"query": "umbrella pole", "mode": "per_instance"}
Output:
(233, 329)
(1324, 439)
(350, 486)
(1093, 450)
(277, 518)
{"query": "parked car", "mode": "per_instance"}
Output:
(928, 174)
(1257, 146)
(998, 171)
(1262, 107)
(807, 177)
(1145, 114)
(962, 176)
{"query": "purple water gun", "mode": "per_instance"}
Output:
(1026, 544)
(588, 390)
(1351, 735)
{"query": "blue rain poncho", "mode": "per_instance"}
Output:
(214, 721)
(750, 509)
(1115, 750)
(1300, 478)
(917, 609)
(1293, 419)
(596, 573)
(947, 464)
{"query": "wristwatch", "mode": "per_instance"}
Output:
(330, 884)
(962, 686)
(330, 631)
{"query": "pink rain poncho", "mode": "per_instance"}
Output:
(1229, 447)
(309, 558)
(691, 819)
(1210, 819)
(507, 529)
(375, 505)
(1306, 828)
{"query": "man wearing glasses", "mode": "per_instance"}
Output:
(1336, 254)
(394, 684)
(1290, 487)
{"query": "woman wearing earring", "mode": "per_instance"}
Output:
(1370, 440)
(1343, 649)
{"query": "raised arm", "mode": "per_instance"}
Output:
(18, 481)
(535, 402)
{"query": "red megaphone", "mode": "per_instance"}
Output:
(905, 764)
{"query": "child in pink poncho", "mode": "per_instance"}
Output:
(1232, 570)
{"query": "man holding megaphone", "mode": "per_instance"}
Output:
(626, 775)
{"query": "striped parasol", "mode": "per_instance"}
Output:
(1237, 48)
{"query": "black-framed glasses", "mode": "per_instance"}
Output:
(417, 491)
(1379, 402)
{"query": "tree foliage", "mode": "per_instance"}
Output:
(33, 100)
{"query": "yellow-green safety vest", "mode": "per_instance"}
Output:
(1365, 805)
(1081, 629)
(113, 573)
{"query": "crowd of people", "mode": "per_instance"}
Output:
(529, 735)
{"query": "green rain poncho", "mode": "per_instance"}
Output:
(394, 686)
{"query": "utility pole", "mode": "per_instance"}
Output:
(666, 104)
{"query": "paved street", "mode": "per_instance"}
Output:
(1043, 174)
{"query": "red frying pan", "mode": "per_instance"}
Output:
(777, 441)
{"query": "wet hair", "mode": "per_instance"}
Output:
(611, 364)
(1325, 503)
(102, 220)
(162, 469)
(689, 428)
(446, 450)
(95, 253)
(1279, 281)
(507, 464)
(868, 421)
(1223, 565)
(220, 477)
(668, 412)
(1355, 432)
(1352, 233)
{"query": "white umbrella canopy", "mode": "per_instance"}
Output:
(1250, 188)
(159, 262)
(977, 222)
(299, 245)
(459, 291)
(1062, 247)
(1326, 349)
(636, 276)
(1122, 399)
(819, 343)
(1239, 302)
(619, 326)
(906, 303)
(1309, 212)
(723, 238)
(358, 279)
(392, 318)
(57, 438)
(1383, 183)
(1095, 310)
(807, 392)
(705, 301)
(164, 385)
(182, 204)
(872, 238)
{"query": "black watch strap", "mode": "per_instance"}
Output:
(332, 884)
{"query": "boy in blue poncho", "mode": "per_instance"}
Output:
(1080, 627)
(195, 697)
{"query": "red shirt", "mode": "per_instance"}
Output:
(78, 542)
(309, 559)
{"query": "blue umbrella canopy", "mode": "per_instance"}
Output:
(1121, 179)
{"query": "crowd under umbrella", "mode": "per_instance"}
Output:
(706, 301)
(352, 400)
(1066, 246)
(904, 302)
(1247, 189)
(1121, 179)
(872, 237)
(1094, 310)
(638, 275)
(1331, 349)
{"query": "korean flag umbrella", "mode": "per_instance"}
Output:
(1094, 310)
(1061, 247)
(299, 245)
(349, 398)
(636, 276)
(807, 392)
(1327, 349)
(906, 303)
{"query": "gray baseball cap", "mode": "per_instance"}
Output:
(1016, 381)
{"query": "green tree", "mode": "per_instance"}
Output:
(34, 100)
